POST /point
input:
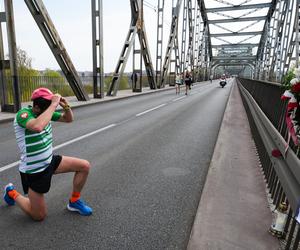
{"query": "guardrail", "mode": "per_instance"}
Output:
(266, 113)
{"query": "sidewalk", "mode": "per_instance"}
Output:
(74, 103)
(233, 211)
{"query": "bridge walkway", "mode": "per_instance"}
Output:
(233, 212)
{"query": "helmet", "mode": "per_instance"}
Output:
(43, 93)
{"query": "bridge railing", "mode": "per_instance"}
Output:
(266, 113)
(57, 84)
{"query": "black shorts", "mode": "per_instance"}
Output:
(188, 83)
(40, 182)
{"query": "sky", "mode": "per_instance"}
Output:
(72, 19)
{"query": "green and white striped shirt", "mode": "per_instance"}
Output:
(35, 148)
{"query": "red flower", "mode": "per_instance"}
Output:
(296, 88)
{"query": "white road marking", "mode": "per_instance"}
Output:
(177, 99)
(9, 166)
(63, 144)
(14, 164)
(149, 110)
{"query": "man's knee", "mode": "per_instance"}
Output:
(40, 216)
(86, 166)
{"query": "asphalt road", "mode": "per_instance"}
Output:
(149, 156)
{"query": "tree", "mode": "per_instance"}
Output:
(51, 73)
(24, 64)
(23, 60)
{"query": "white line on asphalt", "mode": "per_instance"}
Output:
(84, 136)
(149, 110)
(63, 145)
(9, 166)
(101, 129)
(177, 99)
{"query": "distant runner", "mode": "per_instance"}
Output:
(34, 137)
(188, 81)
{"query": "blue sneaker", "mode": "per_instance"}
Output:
(8, 200)
(80, 207)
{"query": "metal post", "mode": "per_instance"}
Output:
(98, 70)
(183, 39)
(4, 64)
(12, 47)
(171, 42)
(136, 27)
(297, 39)
(159, 45)
(174, 60)
(137, 67)
(197, 38)
(288, 28)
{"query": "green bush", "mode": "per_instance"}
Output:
(287, 78)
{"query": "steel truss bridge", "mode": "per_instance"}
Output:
(258, 40)
(255, 40)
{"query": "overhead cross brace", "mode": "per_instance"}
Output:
(234, 20)
(253, 33)
(252, 45)
(241, 7)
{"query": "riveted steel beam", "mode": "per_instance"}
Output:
(11, 64)
(234, 58)
(233, 45)
(183, 36)
(234, 20)
(159, 39)
(272, 14)
(175, 59)
(46, 26)
(239, 7)
(171, 41)
(136, 27)
(251, 33)
(97, 36)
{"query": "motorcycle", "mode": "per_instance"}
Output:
(223, 83)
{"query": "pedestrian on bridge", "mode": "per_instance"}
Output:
(178, 82)
(34, 137)
(188, 81)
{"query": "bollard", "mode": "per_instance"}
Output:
(280, 218)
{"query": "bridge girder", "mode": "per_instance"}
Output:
(234, 20)
(239, 7)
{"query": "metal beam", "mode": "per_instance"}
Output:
(268, 19)
(253, 33)
(183, 36)
(201, 5)
(171, 42)
(97, 36)
(234, 20)
(216, 64)
(12, 47)
(239, 7)
(252, 45)
(136, 27)
(175, 59)
(230, 58)
(11, 64)
(45, 24)
(159, 38)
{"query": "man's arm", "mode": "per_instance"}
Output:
(67, 115)
(39, 123)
